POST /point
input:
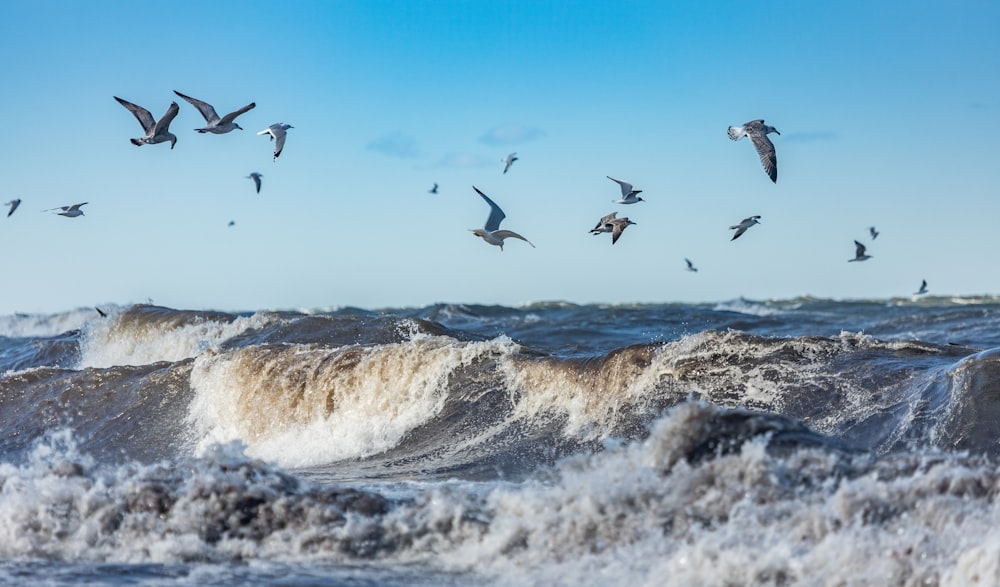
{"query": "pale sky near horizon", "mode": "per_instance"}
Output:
(887, 113)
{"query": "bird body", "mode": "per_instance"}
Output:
(758, 131)
(13, 205)
(156, 131)
(277, 131)
(434, 189)
(213, 123)
(859, 253)
(742, 227)
(923, 288)
(873, 232)
(690, 265)
(491, 232)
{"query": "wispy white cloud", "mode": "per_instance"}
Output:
(511, 134)
(395, 144)
(464, 161)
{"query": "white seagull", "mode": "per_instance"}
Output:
(873, 232)
(277, 132)
(13, 205)
(859, 253)
(629, 195)
(256, 179)
(156, 131)
(69, 211)
(491, 232)
(923, 288)
(509, 161)
(743, 226)
(757, 131)
(690, 265)
(214, 124)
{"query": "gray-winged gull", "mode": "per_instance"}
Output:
(757, 131)
(157, 131)
(213, 123)
(491, 232)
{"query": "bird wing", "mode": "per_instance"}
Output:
(859, 249)
(74, 206)
(13, 206)
(232, 115)
(141, 114)
(508, 233)
(740, 229)
(626, 186)
(206, 109)
(256, 180)
(620, 227)
(279, 140)
(496, 214)
(765, 148)
(736, 132)
(163, 124)
(605, 220)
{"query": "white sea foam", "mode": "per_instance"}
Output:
(46, 325)
(751, 308)
(304, 405)
(106, 343)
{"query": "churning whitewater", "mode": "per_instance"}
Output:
(791, 442)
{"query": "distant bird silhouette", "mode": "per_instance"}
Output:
(873, 232)
(742, 227)
(256, 179)
(156, 131)
(213, 123)
(231, 223)
(923, 288)
(758, 131)
(630, 195)
(491, 232)
(434, 189)
(690, 265)
(101, 312)
(277, 132)
(69, 211)
(509, 161)
(859, 253)
(13, 205)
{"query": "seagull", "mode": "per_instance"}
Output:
(491, 232)
(690, 266)
(256, 179)
(13, 205)
(277, 132)
(102, 313)
(434, 189)
(757, 131)
(214, 124)
(509, 161)
(610, 223)
(231, 223)
(629, 195)
(743, 226)
(874, 233)
(859, 254)
(69, 211)
(923, 288)
(156, 132)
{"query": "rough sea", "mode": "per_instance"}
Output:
(792, 442)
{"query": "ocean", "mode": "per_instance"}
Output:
(787, 442)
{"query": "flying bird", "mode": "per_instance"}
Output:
(859, 253)
(491, 232)
(213, 123)
(69, 211)
(610, 223)
(873, 232)
(231, 223)
(743, 226)
(277, 132)
(509, 161)
(629, 194)
(13, 205)
(101, 312)
(256, 179)
(156, 131)
(434, 189)
(758, 131)
(690, 265)
(923, 288)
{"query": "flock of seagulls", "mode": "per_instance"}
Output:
(755, 130)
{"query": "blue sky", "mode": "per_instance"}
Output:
(887, 112)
